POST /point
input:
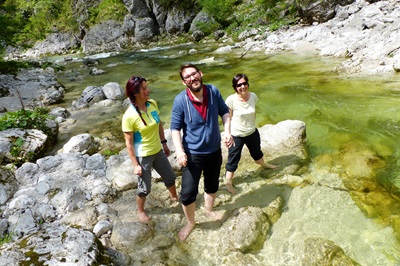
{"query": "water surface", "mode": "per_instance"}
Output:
(342, 114)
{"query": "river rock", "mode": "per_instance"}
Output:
(31, 88)
(103, 37)
(364, 34)
(324, 252)
(18, 146)
(72, 190)
(8, 186)
(113, 91)
(83, 144)
(56, 244)
(55, 43)
(90, 95)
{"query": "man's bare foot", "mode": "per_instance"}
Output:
(212, 215)
(270, 166)
(185, 231)
(229, 187)
(143, 217)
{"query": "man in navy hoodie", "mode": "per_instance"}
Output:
(195, 112)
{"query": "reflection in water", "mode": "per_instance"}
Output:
(352, 123)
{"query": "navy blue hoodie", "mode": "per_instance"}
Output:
(199, 136)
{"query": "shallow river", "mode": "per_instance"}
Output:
(338, 111)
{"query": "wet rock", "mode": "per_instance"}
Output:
(95, 71)
(324, 252)
(55, 244)
(127, 235)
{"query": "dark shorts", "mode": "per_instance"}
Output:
(160, 163)
(210, 166)
(253, 143)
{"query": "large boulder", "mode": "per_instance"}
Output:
(30, 88)
(106, 36)
(18, 145)
(56, 244)
(82, 144)
(319, 11)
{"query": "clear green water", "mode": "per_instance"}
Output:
(336, 109)
(340, 112)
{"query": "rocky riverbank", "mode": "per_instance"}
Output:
(364, 32)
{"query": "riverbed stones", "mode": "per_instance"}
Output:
(83, 144)
(30, 88)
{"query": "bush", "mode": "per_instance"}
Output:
(184, 4)
(26, 119)
(106, 10)
(221, 11)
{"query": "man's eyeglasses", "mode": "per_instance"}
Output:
(187, 77)
(240, 84)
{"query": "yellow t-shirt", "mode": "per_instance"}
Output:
(243, 121)
(146, 138)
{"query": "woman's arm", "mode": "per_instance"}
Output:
(163, 139)
(129, 140)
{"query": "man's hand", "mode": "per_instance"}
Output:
(181, 158)
(228, 140)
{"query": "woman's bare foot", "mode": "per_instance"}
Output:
(143, 217)
(229, 187)
(185, 231)
(173, 198)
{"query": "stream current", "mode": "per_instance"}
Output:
(346, 117)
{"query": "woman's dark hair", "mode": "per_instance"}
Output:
(236, 79)
(132, 88)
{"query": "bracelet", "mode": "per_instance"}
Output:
(164, 141)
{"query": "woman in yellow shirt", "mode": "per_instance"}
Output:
(145, 142)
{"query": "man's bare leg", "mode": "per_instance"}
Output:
(229, 182)
(209, 200)
(140, 209)
(189, 214)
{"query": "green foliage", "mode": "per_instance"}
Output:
(26, 119)
(26, 21)
(221, 11)
(268, 4)
(10, 24)
(7, 238)
(277, 13)
(107, 153)
(106, 10)
(208, 28)
(184, 4)
(12, 67)
(16, 147)
(234, 16)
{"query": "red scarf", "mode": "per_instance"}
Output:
(201, 107)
